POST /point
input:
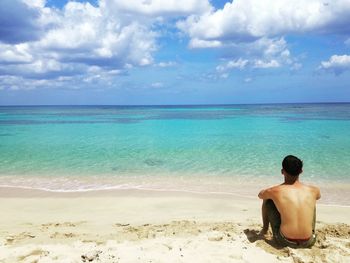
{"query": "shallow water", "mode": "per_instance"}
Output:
(83, 147)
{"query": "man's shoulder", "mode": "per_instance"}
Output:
(315, 190)
(311, 187)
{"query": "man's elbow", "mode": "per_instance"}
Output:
(318, 194)
(260, 195)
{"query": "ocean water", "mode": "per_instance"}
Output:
(96, 147)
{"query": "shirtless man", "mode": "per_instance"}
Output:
(290, 207)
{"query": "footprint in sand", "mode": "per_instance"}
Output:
(16, 238)
(34, 255)
(62, 235)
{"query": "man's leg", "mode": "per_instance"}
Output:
(265, 218)
(313, 238)
(271, 216)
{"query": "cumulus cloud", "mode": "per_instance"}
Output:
(39, 42)
(336, 63)
(77, 37)
(263, 53)
(90, 43)
(19, 22)
(14, 54)
(254, 30)
(160, 7)
(246, 20)
(89, 36)
(20, 83)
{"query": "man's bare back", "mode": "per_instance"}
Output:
(290, 207)
(296, 204)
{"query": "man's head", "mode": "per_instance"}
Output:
(292, 165)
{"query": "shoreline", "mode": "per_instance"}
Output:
(27, 192)
(331, 195)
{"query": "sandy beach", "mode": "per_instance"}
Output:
(151, 226)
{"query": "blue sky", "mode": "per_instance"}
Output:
(174, 51)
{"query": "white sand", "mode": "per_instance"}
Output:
(145, 226)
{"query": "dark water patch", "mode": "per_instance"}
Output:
(312, 118)
(185, 115)
(45, 122)
(18, 122)
(176, 116)
(292, 119)
(125, 120)
(6, 134)
(193, 115)
(153, 162)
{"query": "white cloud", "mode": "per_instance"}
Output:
(166, 64)
(35, 3)
(76, 27)
(263, 53)
(336, 64)
(244, 20)
(112, 36)
(20, 83)
(266, 64)
(160, 7)
(199, 43)
(13, 54)
(99, 38)
(253, 29)
(77, 37)
(157, 85)
(239, 63)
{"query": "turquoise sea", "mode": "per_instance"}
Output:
(68, 148)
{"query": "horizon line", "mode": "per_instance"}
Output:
(174, 105)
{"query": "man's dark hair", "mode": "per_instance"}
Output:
(292, 165)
